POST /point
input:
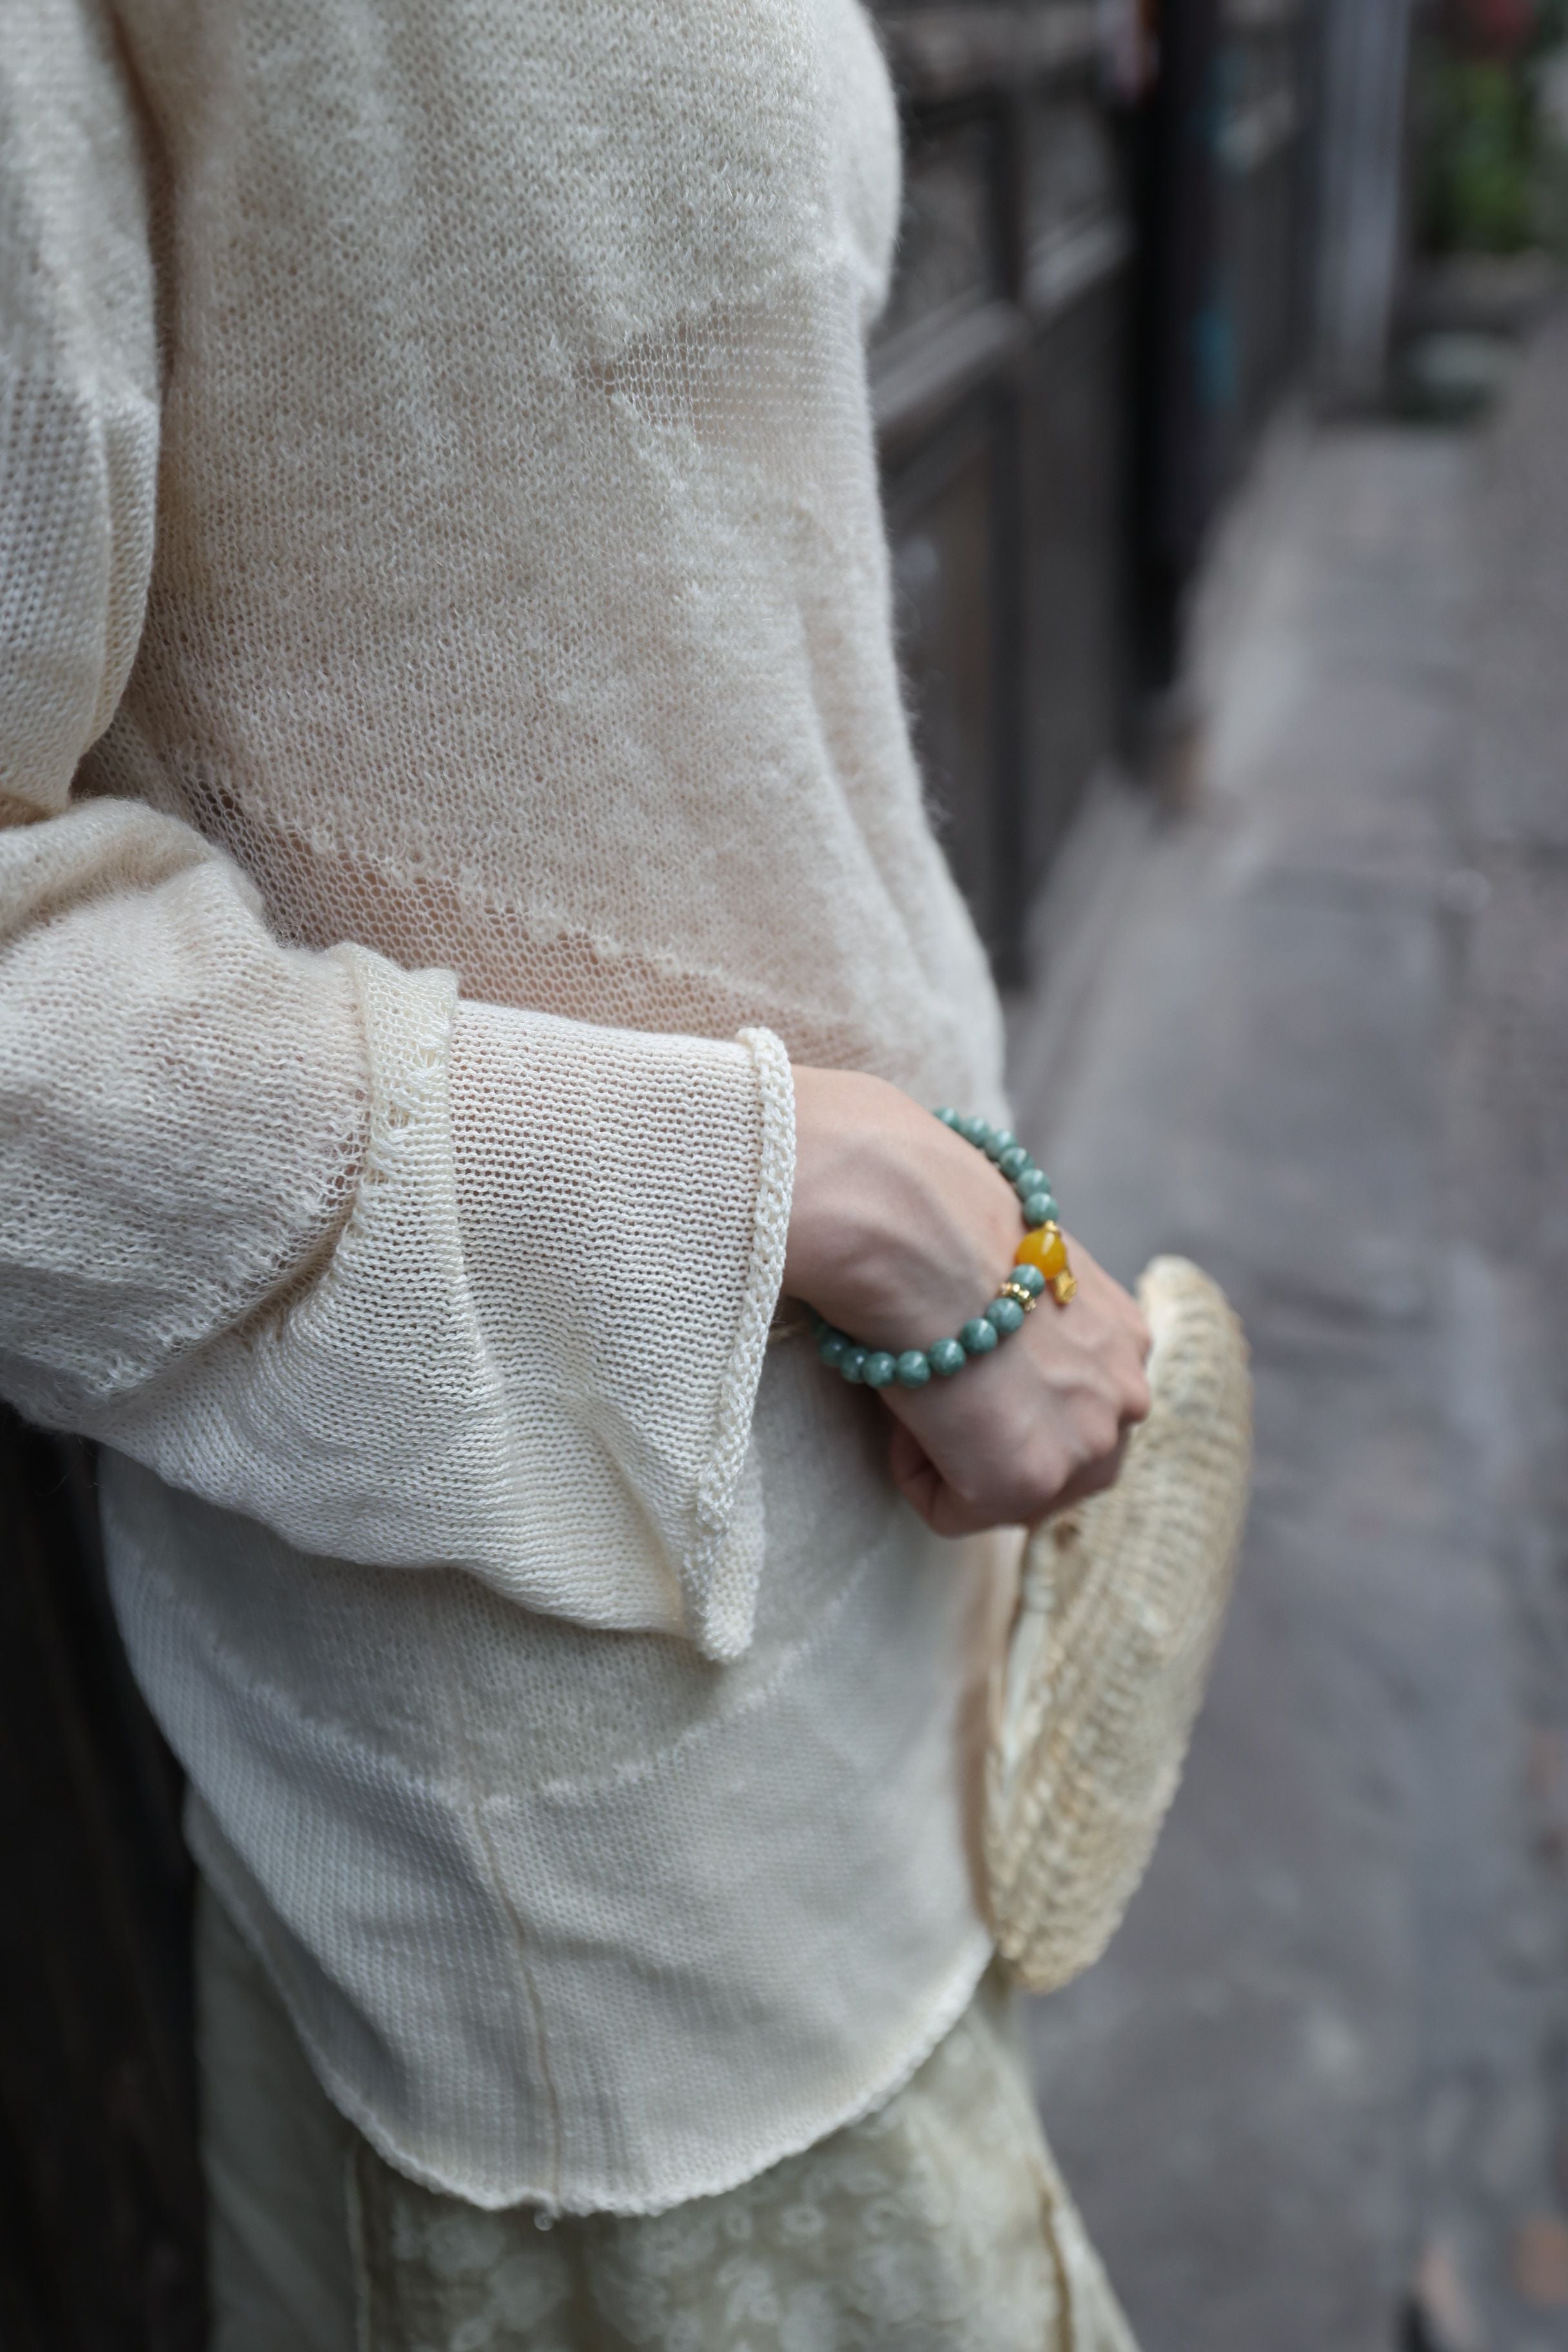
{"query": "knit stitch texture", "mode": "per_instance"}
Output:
(453, 760)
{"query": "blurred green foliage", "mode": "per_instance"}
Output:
(1493, 166)
(1481, 173)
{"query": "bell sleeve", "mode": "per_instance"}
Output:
(415, 1280)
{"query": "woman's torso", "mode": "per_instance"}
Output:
(520, 606)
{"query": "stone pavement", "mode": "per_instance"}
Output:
(1314, 1032)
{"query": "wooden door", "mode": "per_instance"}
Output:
(1223, 147)
(101, 2240)
(999, 378)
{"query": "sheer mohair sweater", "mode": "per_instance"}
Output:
(452, 760)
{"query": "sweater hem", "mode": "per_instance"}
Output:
(953, 1996)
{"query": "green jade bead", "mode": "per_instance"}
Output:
(877, 1368)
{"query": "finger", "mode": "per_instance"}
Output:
(950, 1515)
(1093, 1479)
(914, 1474)
(921, 1484)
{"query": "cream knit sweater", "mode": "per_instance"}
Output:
(453, 755)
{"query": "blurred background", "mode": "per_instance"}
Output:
(1223, 400)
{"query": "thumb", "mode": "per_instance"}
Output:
(914, 1474)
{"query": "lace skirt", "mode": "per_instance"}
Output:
(937, 2224)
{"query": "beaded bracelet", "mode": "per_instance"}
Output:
(1040, 1263)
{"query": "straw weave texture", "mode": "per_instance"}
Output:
(1122, 1605)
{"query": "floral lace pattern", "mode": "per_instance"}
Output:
(938, 2224)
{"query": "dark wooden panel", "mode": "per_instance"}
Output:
(1075, 192)
(952, 560)
(939, 53)
(100, 2197)
(999, 386)
(1077, 571)
(951, 248)
(1076, 290)
(1222, 208)
(951, 324)
(1264, 104)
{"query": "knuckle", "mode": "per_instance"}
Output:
(1101, 1474)
(1047, 1473)
(1100, 1433)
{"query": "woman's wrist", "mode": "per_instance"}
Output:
(899, 1229)
(898, 1226)
(1040, 1265)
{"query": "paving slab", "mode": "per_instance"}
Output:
(1317, 1037)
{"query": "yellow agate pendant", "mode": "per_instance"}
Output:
(1046, 1250)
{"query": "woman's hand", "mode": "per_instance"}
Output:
(900, 1232)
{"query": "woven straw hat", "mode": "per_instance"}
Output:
(1120, 1606)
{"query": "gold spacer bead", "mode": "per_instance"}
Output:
(1063, 1287)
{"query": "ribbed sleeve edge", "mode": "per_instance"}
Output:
(721, 1572)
